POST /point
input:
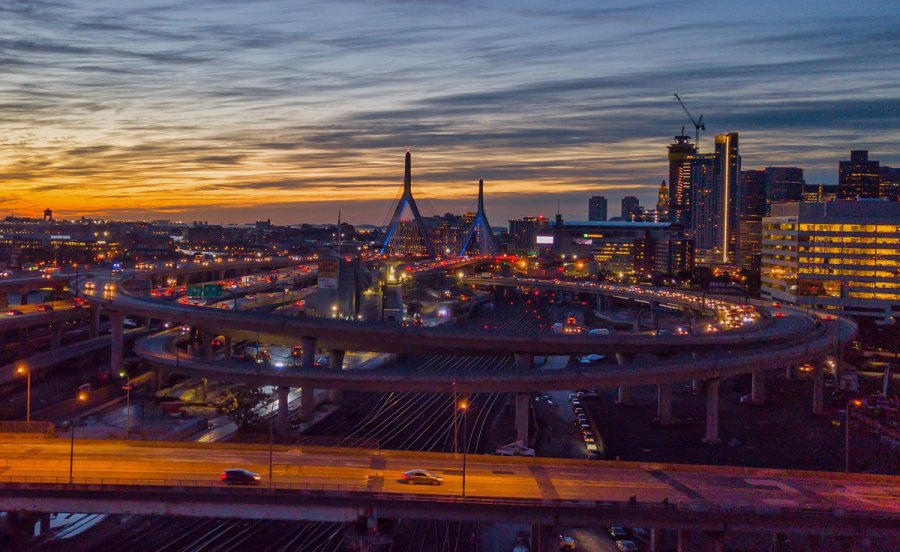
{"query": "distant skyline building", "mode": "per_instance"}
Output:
(728, 180)
(784, 184)
(859, 177)
(715, 201)
(751, 211)
(819, 192)
(704, 212)
(523, 232)
(597, 208)
(662, 202)
(631, 208)
(680, 155)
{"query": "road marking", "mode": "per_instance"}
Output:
(544, 483)
(677, 485)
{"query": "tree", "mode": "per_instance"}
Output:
(243, 404)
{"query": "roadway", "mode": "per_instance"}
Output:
(176, 476)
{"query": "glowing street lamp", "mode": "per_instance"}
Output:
(81, 397)
(22, 369)
(463, 406)
(850, 404)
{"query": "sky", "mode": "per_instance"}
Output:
(232, 111)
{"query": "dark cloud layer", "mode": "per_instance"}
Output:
(291, 110)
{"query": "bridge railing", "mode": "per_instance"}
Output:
(13, 480)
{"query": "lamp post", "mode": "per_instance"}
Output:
(463, 407)
(127, 388)
(271, 446)
(81, 397)
(850, 404)
(22, 369)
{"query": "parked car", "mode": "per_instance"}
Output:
(240, 476)
(626, 546)
(424, 477)
(45, 308)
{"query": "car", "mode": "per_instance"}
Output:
(90, 285)
(776, 305)
(779, 315)
(45, 308)
(626, 545)
(109, 286)
(47, 275)
(13, 312)
(6, 274)
(617, 533)
(566, 543)
(240, 476)
(117, 271)
(425, 477)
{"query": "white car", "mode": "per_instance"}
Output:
(626, 545)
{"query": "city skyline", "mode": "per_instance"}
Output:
(289, 113)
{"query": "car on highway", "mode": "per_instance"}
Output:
(424, 477)
(240, 476)
(45, 307)
(626, 546)
(566, 543)
(617, 533)
(6, 274)
(90, 285)
(13, 312)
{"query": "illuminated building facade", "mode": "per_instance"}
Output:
(631, 209)
(680, 155)
(715, 199)
(662, 202)
(842, 255)
(819, 192)
(859, 177)
(751, 210)
(523, 233)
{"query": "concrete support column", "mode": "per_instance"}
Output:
(524, 361)
(24, 342)
(544, 538)
(656, 540)
(697, 386)
(23, 298)
(117, 343)
(205, 339)
(204, 389)
(790, 372)
(228, 347)
(712, 413)
(94, 330)
(624, 361)
(684, 540)
(283, 411)
(523, 413)
(56, 335)
(307, 403)
(758, 387)
(818, 389)
(308, 358)
(664, 404)
(716, 541)
(4, 301)
(336, 359)
(654, 312)
(45, 523)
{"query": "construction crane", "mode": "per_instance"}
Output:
(698, 123)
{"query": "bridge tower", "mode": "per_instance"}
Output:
(487, 243)
(405, 236)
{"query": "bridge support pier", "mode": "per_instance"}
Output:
(308, 358)
(24, 342)
(656, 540)
(818, 388)
(283, 411)
(4, 301)
(336, 359)
(654, 313)
(23, 298)
(544, 538)
(116, 343)
(712, 413)
(524, 361)
(624, 360)
(790, 371)
(664, 405)
(56, 335)
(94, 330)
(697, 386)
(205, 339)
(684, 540)
(307, 403)
(523, 412)
(716, 541)
(228, 347)
(758, 387)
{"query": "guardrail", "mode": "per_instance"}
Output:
(12, 481)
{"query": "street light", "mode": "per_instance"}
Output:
(127, 387)
(463, 407)
(850, 403)
(22, 369)
(81, 397)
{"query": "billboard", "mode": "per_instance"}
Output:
(328, 273)
(545, 240)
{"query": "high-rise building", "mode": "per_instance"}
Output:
(889, 183)
(784, 184)
(858, 177)
(703, 213)
(842, 255)
(523, 232)
(662, 203)
(728, 180)
(631, 209)
(751, 211)
(819, 192)
(597, 208)
(680, 155)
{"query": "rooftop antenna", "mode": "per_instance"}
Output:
(339, 234)
(698, 123)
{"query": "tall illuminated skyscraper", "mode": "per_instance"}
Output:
(680, 155)
(728, 182)
(714, 200)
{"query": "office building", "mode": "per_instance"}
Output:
(784, 184)
(662, 202)
(597, 208)
(859, 177)
(680, 155)
(704, 202)
(836, 255)
(819, 192)
(523, 233)
(728, 177)
(715, 198)
(631, 209)
(889, 183)
(751, 210)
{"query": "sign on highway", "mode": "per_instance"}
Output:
(212, 291)
(195, 292)
(328, 273)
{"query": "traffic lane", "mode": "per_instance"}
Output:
(485, 477)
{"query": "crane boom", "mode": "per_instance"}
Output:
(698, 123)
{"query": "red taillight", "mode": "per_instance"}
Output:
(404, 476)
(223, 476)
